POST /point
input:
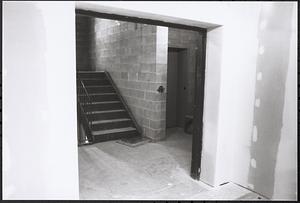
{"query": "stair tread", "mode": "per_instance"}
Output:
(91, 79)
(109, 111)
(116, 130)
(95, 94)
(105, 102)
(91, 86)
(110, 120)
(90, 71)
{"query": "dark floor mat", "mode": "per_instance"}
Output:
(134, 141)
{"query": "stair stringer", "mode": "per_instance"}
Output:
(136, 125)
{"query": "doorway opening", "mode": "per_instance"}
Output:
(185, 86)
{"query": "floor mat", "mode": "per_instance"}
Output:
(134, 141)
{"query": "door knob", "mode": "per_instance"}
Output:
(160, 89)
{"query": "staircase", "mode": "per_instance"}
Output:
(102, 111)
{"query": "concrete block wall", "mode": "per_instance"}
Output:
(180, 38)
(128, 52)
(136, 57)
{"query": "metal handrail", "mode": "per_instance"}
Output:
(89, 101)
(85, 90)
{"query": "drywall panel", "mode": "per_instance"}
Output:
(285, 181)
(39, 98)
(274, 127)
(237, 87)
(214, 47)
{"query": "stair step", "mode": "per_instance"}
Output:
(106, 102)
(117, 130)
(101, 97)
(98, 89)
(111, 124)
(103, 102)
(90, 71)
(94, 86)
(96, 94)
(107, 115)
(101, 106)
(98, 82)
(108, 111)
(91, 78)
(90, 74)
(114, 134)
(110, 121)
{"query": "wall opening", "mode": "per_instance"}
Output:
(140, 87)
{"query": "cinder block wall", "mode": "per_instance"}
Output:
(187, 39)
(128, 52)
(84, 36)
(136, 57)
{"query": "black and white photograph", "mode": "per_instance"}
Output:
(149, 100)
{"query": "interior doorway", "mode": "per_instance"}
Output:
(198, 75)
(176, 87)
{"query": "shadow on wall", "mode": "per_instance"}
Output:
(272, 66)
(85, 43)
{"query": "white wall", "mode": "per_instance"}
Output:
(232, 51)
(286, 166)
(39, 99)
(237, 89)
(39, 141)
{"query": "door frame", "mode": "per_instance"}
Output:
(199, 77)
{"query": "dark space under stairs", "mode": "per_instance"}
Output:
(102, 111)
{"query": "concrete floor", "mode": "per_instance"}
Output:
(110, 170)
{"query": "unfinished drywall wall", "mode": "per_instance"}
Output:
(237, 87)
(285, 181)
(128, 51)
(39, 98)
(274, 39)
(253, 164)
